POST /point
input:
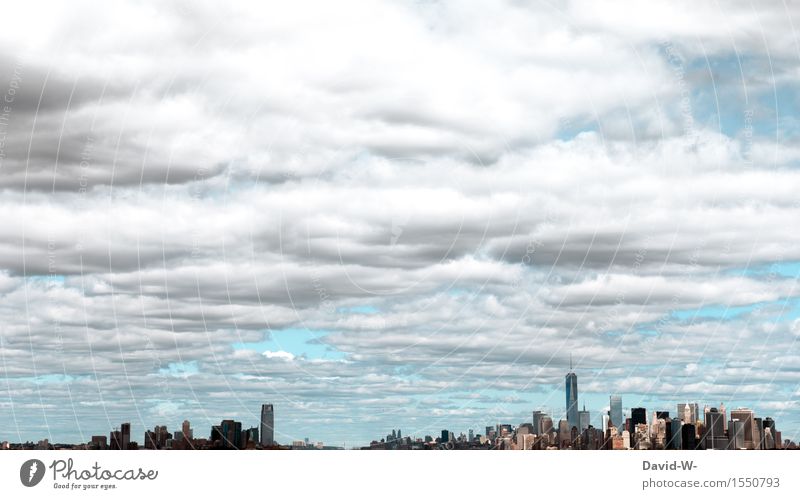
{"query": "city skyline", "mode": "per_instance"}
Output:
(710, 429)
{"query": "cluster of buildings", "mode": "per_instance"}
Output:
(688, 428)
(229, 434)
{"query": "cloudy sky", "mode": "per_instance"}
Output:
(388, 214)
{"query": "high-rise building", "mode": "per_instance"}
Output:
(537, 422)
(715, 430)
(115, 440)
(584, 419)
(770, 443)
(547, 425)
(758, 428)
(675, 439)
(688, 413)
(736, 430)
(615, 412)
(125, 436)
(149, 440)
(572, 398)
(186, 429)
(758, 433)
(267, 432)
(638, 416)
(659, 434)
(688, 437)
(564, 434)
(161, 435)
(745, 416)
(231, 433)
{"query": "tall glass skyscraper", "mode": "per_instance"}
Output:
(615, 412)
(572, 399)
(267, 425)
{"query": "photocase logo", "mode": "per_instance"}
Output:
(31, 472)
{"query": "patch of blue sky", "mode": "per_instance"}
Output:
(728, 94)
(781, 119)
(614, 333)
(768, 270)
(49, 379)
(716, 312)
(646, 330)
(569, 129)
(783, 309)
(710, 312)
(300, 342)
(46, 278)
(180, 369)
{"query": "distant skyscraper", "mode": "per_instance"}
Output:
(688, 438)
(537, 422)
(746, 418)
(758, 430)
(615, 412)
(125, 436)
(638, 416)
(769, 424)
(186, 428)
(564, 434)
(675, 439)
(231, 433)
(736, 430)
(547, 425)
(267, 432)
(115, 440)
(572, 398)
(584, 419)
(715, 430)
(688, 413)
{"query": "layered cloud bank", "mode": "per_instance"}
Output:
(384, 214)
